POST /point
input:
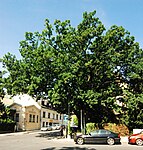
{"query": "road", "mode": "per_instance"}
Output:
(52, 141)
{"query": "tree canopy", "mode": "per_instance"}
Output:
(81, 68)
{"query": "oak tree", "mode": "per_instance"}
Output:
(80, 68)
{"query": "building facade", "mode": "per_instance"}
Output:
(26, 117)
(49, 116)
(32, 115)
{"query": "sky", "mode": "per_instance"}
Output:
(20, 16)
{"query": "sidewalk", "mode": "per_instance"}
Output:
(17, 133)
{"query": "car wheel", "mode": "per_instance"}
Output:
(80, 141)
(139, 142)
(110, 141)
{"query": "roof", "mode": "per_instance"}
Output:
(25, 100)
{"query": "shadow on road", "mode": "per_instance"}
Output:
(69, 148)
(50, 135)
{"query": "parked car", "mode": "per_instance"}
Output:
(99, 136)
(58, 126)
(136, 139)
(46, 128)
(54, 127)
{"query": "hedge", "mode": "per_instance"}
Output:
(7, 127)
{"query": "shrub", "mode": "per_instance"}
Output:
(6, 121)
(119, 128)
(90, 127)
(7, 127)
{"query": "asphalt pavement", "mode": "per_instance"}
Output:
(124, 139)
(51, 140)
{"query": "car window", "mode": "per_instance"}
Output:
(94, 132)
(104, 132)
(108, 132)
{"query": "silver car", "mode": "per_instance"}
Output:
(47, 128)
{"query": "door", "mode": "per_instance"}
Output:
(93, 137)
(103, 134)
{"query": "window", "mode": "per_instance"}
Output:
(33, 118)
(94, 132)
(102, 132)
(43, 103)
(44, 114)
(37, 118)
(57, 116)
(53, 116)
(30, 118)
(48, 115)
(17, 117)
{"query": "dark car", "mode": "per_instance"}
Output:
(99, 136)
(136, 139)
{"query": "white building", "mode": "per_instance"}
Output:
(48, 115)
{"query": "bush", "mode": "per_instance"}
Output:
(6, 125)
(119, 128)
(6, 121)
(90, 127)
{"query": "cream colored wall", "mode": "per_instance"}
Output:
(24, 112)
(20, 110)
(34, 112)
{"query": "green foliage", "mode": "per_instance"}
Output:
(69, 129)
(74, 120)
(90, 127)
(133, 112)
(2, 93)
(2, 108)
(80, 67)
(4, 114)
(7, 120)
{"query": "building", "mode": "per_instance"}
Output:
(49, 116)
(27, 114)
(32, 115)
